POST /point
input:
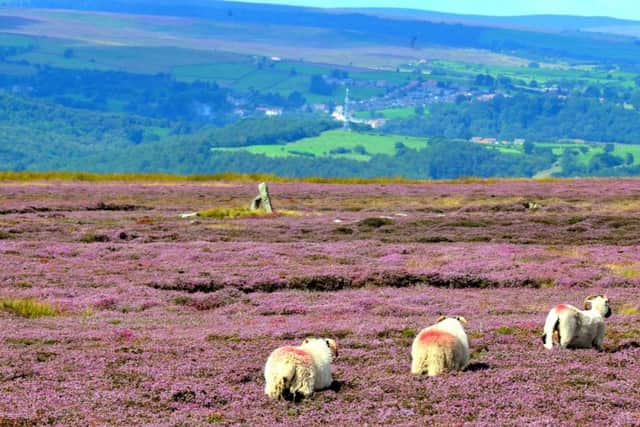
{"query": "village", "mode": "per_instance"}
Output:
(417, 94)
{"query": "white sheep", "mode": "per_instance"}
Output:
(574, 328)
(300, 370)
(441, 347)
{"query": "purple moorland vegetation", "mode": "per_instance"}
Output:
(162, 320)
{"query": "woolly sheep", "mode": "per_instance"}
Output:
(440, 347)
(575, 328)
(300, 370)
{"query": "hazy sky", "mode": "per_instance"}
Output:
(629, 9)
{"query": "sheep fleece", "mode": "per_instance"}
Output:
(441, 347)
(299, 370)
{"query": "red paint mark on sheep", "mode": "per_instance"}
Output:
(434, 336)
(562, 307)
(298, 352)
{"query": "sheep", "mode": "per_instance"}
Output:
(575, 328)
(440, 347)
(300, 370)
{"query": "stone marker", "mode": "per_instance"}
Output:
(262, 200)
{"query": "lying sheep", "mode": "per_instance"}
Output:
(441, 347)
(575, 328)
(300, 370)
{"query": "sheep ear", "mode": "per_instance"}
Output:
(440, 319)
(587, 305)
(462, 320)
(332, 346)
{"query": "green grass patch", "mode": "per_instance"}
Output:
(505, 330)
(28, 307)
(231, 213)
(409, 333)
(224, 73)
(26, 342)
(542, 75)
(337, 144)
(584, 151)
(94, 238)
(629, 310)
(627, 271)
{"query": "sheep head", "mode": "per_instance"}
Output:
(600, 303)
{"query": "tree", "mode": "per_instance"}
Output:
(135, 135)
(401, 149)
(528, 147)
(610, 93)
(635, 100)
(295, 100)
(484, 80)
(460, 99)
(359, 149)
(629, 159)
(319, 86)
(593, 91)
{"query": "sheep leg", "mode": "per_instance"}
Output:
(417, 365)
(567, 329)
(599, 341)
(304, 381)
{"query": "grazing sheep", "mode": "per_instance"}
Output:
(441, 347)
(301, 369)
(575, 328)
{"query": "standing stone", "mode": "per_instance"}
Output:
(262, 199)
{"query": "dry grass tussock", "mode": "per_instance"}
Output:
(28, 307)
(233, 213)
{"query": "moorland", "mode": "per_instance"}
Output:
(117, 310)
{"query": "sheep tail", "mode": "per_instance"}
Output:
(281, 380)
(285, 379)
(551, 328)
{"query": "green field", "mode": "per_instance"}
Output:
(590, 150)
(389, 113)
(585, 75)
(328, 142)
(239, 72)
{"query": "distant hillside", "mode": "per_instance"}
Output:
(357, 29)
(541, 22)
(209, 86)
